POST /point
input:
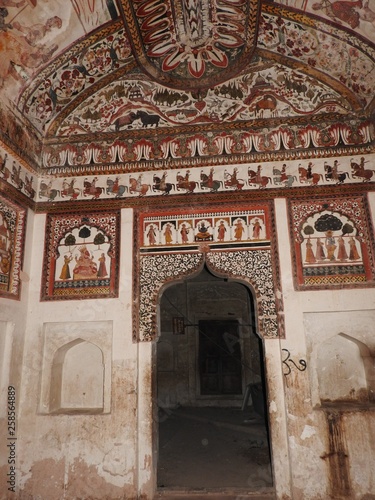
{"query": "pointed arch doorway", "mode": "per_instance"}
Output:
(211, 392)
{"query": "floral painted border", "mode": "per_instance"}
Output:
(12, 241)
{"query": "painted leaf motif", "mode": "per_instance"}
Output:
(196, 66)
(160, 49)
(231, 11)
(148, 8)
(157, 23)
(217, 57)
(156, 36)
(230, 40)
(173, 60)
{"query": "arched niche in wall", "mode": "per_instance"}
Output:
(77, 378)
(76, 367)
(345, 371)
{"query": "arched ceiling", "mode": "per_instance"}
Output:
(86, 83)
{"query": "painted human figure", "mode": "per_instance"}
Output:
(341, 253)
(258, 177)
(5, 263)
(65, 271)
(202, 233)
(335, 172)
(342, 10)
(115, 185)
(36, 32)
(319, 253)
(151, 235)
(310, 257)
(184, 233)
(102, 271)
(353, 252)
(256, 230)
(15, 50)
(221, 231)
(284, 176)
(168, 234)
(85, 267)
(309, 170)
(239, 230)
(330, 245)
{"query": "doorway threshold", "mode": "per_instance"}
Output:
(215, 494)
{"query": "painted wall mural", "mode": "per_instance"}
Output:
(135, 103)
(231, 242)
(357, 15)
(65, 82)
(221, 178)
(12, 229)
(324, 47)
(279, 91)
(333, 244)
(81, 257)
(15, 174)
(234, 229)
(28, 43)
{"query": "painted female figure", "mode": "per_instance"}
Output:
(184, 233)
(256, 230)
(168, 234)
(65, 271)
(320, 255)
(238, 232)
(341, 254)
(221, 231)
(102, 271)
(151, 235)
(310, 257)
(353, 252)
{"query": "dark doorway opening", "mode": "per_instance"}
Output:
(220, 367)
(212, 428)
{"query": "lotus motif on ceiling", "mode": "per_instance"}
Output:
(188, 44)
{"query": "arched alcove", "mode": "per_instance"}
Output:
(343, 365)
(77, 378)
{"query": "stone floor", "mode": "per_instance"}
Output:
(213, 453)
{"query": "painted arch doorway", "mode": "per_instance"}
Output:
(209, 434)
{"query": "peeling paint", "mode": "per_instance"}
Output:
(308, 431)
(273, 407)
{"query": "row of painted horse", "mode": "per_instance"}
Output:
(13, 176)
(231, 180)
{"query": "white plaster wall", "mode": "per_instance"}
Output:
(58, 453)
(305, 325)
(12, 334)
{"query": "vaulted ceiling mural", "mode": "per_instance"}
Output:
(90, 83)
